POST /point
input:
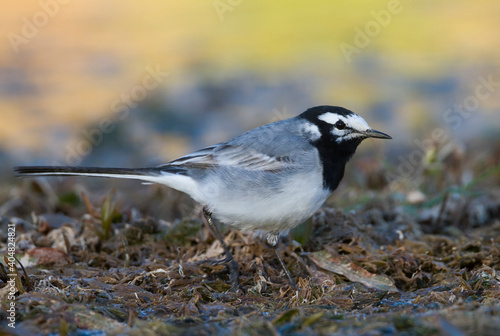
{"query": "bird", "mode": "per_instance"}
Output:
(269, 179)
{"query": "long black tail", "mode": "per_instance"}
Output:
(165, 174)
(86, 171)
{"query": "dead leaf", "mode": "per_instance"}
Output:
(353, 272)
(49, 256)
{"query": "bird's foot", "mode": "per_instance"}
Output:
(272, 241)
(234, 276)
(234, 272)
(285, 269)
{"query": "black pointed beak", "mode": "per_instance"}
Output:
(371, 133)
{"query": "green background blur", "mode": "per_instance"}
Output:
(223, 67)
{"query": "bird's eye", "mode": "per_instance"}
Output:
(340, 125)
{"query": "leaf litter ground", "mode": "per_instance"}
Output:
(94, 265)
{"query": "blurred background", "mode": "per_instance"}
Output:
(127, 83)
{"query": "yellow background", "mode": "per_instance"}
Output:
(90, 52)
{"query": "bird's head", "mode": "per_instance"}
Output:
(333, 125)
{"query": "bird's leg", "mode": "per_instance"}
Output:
(272, 241)
(233, 266)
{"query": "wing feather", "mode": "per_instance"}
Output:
(225, 155)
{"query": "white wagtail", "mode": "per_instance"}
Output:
(269, 179)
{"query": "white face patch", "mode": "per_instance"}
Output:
(354, 123)
(311, 130)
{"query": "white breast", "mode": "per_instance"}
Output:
(269, 210)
